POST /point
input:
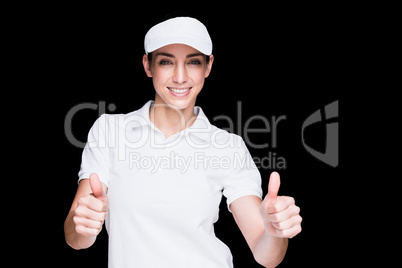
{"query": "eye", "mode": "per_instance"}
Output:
(195, 62)
(165, 62)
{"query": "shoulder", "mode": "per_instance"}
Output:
(132, 119)
(137, 117)
(222, 139)
(107, 126)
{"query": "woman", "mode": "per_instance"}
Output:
(157, 175)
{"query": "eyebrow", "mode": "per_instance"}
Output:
(172, 56)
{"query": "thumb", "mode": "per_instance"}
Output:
(273, 187)
(96, 187)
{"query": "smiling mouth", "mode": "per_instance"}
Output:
(179, 90)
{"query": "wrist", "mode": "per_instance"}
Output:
(270, 250)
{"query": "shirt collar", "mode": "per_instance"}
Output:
(201, 127)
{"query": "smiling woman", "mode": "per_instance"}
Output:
(160, 193)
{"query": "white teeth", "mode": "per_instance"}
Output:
(180, 91)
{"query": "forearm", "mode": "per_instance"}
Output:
(74, 239)
(269, 251)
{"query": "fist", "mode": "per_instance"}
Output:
(92, 209)
(280, 213)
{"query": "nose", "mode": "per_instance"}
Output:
(180, 74)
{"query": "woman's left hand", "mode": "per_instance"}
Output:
(280, 214)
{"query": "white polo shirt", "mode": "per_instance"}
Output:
(164, 194)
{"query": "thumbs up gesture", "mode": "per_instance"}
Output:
(92, 209)
(280, 214)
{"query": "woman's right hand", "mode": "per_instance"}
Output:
(92, 209)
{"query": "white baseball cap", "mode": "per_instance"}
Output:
(179, 30)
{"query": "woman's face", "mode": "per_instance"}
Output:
(178, 72)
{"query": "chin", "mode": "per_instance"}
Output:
(180, 104)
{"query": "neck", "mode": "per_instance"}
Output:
(170, 119)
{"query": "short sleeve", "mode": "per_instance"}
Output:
(95, 157)
(245, 178)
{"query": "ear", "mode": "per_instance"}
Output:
(147, 65)
(209, 65)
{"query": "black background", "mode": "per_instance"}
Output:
(289, 61)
